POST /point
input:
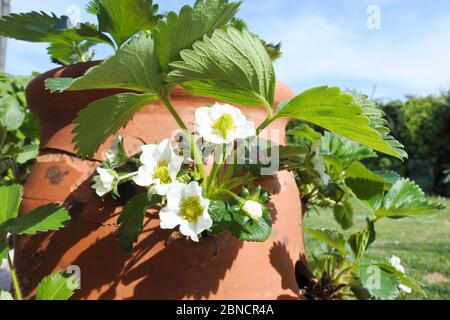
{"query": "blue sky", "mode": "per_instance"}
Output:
(324, 42)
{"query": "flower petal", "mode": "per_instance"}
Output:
(189, 229)
(175, 166)
(147, 154)
(164, 151)
(193, 189)
(144, 177)
(202, 117)
(101, 191)
(245, 131)
(203, 223)
(174, 196)
(169, 219)
(161, 188)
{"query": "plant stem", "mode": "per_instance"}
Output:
(265, 124)
(343, 272)
(3, 139)
(212, 177)
(13, 167)
(217, 167)
(14, 278)
(375, 220)
(174, 113)
(127, 176)
(78, 51)
(198, 159)
(228, 174)
(227, 192)
(196, 153)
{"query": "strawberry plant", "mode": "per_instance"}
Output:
(19, 130)
(43, 219)
(332, 175)
(210, 53)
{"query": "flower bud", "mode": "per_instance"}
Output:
(253, 209)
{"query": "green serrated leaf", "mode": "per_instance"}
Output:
(252, 230)
(358, 171)
(131, 221)
(274, 50)
(366, 190)
(65, 53)
(306, 132)
(33, 26)
(360, 292)
(10, 198)
(3, 245)
(337, 112)
(93, 6)
(104, 118)
(292, 151)
(333, 238)
(359, 242)
(378, 122)
(222, 219)
(58, 84)
(404, 279)
(124, 18)
(405, 198)
(390, 177)
(86, 32)
(12, 114)
(56, 287)
(343, 214)
(217, 210)
(181, 31)
(74, 45)
(230, 65)
(28, 152)
(41, 27)
(43, 219)
(134, 67)
(345, 150)
(380, 283)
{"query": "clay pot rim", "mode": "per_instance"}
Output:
(58, 71)
(177, 91)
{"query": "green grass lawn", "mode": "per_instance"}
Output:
(422, 244)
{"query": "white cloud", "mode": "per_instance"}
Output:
(317, 49)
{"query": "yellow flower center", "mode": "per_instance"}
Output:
(162, 172)
(191, 208)
(223, 126)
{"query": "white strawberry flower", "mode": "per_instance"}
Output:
(104, 181)
(396, 263)
(187, 208)
(253, 209)
(222, 124)
(160, 167)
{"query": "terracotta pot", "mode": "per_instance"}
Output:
(159, 267)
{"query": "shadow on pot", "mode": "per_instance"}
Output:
(155, 269)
